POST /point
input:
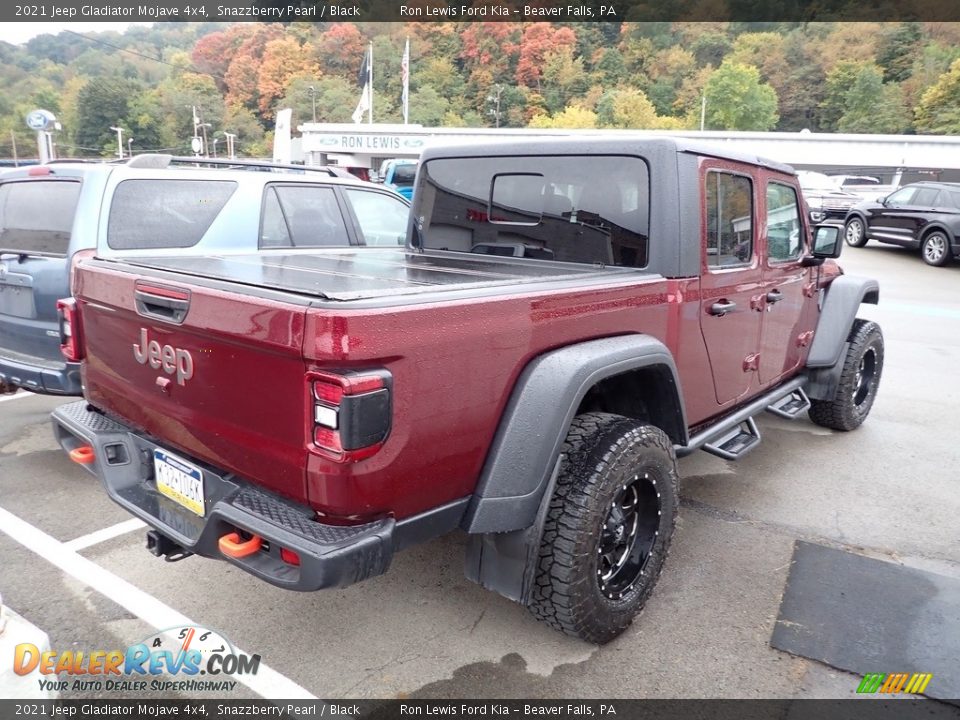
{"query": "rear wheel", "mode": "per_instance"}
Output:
(859, 380)
(935, 248)
(855, 233)
(608, 528)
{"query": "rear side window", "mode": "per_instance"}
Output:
(404, 174)
(583, 209)
(37, 215)
(926, 197)
(302, 216)
(729, 220)
(154, 214)
(382, 217)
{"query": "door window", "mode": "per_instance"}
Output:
(901, 197)
(783, 223)
(382, 217)
(302, 216)
(729, 220)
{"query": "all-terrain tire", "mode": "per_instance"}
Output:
(859, 380)
(608, 460)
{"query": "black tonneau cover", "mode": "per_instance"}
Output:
(357, 274)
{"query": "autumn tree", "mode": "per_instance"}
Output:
(103, 102)
(283, 59)
(738, 100)
(538, 41)
(340, 50)
(939, 107)
(573, 117)
(563, 78)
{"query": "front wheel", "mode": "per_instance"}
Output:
(855, 233)
(859, 380)
(608, 527)
(935, 249)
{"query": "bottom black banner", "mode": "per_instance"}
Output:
(854, 709)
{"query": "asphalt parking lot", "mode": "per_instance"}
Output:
(888, 490)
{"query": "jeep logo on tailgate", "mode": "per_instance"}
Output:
(170, 359)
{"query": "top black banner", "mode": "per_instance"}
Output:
(286, 11)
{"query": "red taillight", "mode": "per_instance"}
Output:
(70, 343)
(39, 170)
(328, 392)
(349, 413)
(289, 556)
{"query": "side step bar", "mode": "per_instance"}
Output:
(736, 443)
(791, 406)
(729, 428)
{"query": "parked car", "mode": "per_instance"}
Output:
(399, 175)
(921, 216)
(567, 317)
(827, 202)
(52, 215)
(868, 187)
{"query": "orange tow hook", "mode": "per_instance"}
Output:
(232, 546)
(82, 455)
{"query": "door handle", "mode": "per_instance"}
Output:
(774, 296)
(722, 307)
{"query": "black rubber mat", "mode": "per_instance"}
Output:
(870, 616)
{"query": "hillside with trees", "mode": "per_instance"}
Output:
(825, 77)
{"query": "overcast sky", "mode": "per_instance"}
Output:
(20, 32)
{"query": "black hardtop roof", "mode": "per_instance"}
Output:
(598, 144)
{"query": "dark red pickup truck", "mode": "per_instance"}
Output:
(569, 316)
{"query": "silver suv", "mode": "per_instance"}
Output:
(51, 216)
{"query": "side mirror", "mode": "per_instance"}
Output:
(827, 242)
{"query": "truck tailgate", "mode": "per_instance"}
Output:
(212, 374)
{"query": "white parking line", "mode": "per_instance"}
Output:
(16, 396)
(267, 683)
(109, 533)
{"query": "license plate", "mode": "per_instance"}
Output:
(179, 480)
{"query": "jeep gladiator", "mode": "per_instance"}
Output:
(568, 317)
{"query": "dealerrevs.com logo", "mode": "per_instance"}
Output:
(190, 659)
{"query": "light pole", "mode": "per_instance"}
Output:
(313, 98)
(215, 141)
(703, 112)
(230, 148)
(119, 131)
(130, 146)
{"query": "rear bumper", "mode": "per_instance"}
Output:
(39, 375)
(330, 555)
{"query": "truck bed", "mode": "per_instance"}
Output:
(350, 274)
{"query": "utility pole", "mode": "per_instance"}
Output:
(119, 131)
(130, 146)
(206, 150)
(230, 147)
(703, 112)
(13, 140)
(495, 99)
(313, 97)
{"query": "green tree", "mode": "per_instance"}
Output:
(939, 107)
(872, 106)
(897, 51)
(738, 100)
(427, 107)
(838, 83)
(102, 103)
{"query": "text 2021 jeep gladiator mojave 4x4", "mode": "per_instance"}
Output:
(569, 315)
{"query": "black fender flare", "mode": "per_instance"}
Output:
(838, 310)
(523, 455)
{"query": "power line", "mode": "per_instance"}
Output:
(194, 68)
